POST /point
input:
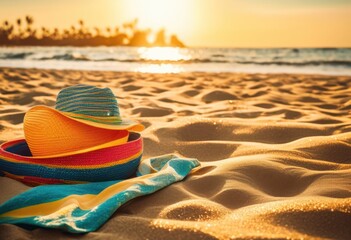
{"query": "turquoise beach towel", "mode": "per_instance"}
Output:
(82, 208)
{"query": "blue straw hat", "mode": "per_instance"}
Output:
(93, 106)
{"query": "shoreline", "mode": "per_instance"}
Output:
(176, 73)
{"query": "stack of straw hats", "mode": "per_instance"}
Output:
(84, 139)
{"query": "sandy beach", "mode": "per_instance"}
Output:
(275, 152)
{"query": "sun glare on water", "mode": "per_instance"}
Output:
(162, 59)
(163, 54)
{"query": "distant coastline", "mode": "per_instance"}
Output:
(22, 33)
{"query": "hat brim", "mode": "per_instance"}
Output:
(113, 143)
(112, 163)
(125, 124)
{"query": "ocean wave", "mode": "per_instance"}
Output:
(345, 63)
(224, 60)
(195, 60)
(67, 57)
(274, 61)
(295, 57)
(79, 57)
(208, 60)
(22, 55)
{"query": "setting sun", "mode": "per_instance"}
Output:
(171, 14)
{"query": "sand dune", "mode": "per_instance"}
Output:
(275, 152)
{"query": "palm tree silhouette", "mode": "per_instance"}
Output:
(19, 24)
(29, 21)
(127, 34)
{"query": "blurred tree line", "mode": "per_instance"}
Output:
(23, 33)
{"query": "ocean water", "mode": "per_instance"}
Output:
(332, 61)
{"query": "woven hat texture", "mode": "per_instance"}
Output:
(85, 118)
(82, 139)
(105, 164)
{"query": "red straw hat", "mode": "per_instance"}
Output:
(104, 164)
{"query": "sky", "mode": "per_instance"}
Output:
(204, 23)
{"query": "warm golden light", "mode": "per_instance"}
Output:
(202, 23)
(171, 14)
(163, 54)
(159, 58)
(160, 68)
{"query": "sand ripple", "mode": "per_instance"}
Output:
(275, 152)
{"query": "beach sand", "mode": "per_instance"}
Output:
(275, 152)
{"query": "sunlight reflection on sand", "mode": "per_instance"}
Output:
(159, 68)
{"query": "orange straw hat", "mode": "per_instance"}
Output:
(85, 118)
